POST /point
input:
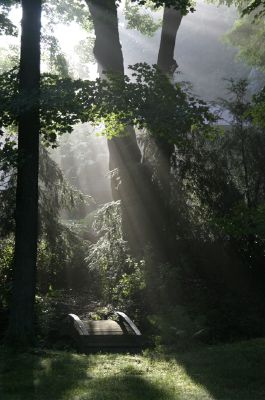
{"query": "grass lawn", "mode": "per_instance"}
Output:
(227, 372)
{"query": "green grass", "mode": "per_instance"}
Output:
(227, 372)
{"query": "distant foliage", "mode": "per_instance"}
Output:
(249, 37)
(61, 251)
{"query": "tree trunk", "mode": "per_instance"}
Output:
(131, 182)
(166, 62)
(171, 23)
(21, 325)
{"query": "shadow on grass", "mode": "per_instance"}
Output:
(30, 376)
(127, 387)
(17, 375)
(228, 372)
(63, 376)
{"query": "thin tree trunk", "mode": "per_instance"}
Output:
(171, 22)
(132, 182)
(21, 325)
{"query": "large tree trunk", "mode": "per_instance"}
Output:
(21, 326)
(131, 182)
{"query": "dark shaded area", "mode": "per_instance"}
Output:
(33, 380)
(228, 372)
(208, 295)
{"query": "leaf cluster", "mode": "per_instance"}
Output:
(67, 11)
(63, 102)
(185, 6)
(256, 7)
(143, 22)
(149, 100)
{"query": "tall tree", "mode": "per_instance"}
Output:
(131, 181)
(166, 62)
(21, 326)
(132, 184)
(171, 22)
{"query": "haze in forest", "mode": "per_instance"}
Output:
(204, 60)
(132, 184)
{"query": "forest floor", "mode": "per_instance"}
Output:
(223, 372)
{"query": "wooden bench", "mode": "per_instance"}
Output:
(101, 335)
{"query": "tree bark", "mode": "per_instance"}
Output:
(21, 325)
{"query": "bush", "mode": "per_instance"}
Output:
(6, 259)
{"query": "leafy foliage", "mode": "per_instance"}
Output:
(258, 109)
(6, 26)
(149, 101)
(254, 8)
(184, 6)
(257, 7)
(62, 103)
(9, 58)
(143, 22)
(6, 257)
(67, 11)
(53, 55)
